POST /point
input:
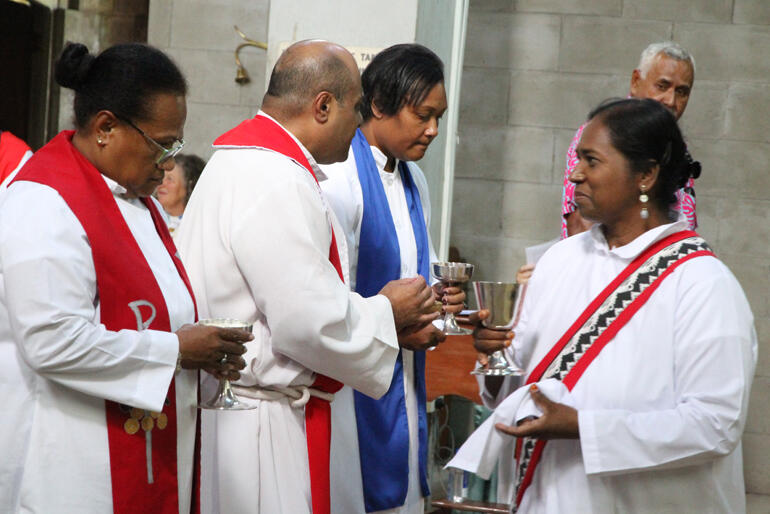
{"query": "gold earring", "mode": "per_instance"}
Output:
(644, 199)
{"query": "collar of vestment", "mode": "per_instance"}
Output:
(238, 138)
(638, 245)
(142, 455)
(113, 186)
(381, 160)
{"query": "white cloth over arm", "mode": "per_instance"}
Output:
(662, 408)
(255, 240)
(480, 452)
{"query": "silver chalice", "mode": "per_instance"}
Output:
(501, 299)
(452, 274)
(225, 398)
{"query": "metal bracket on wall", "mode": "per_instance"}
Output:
(241, 76)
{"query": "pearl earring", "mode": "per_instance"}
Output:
(99, 141)
(644, 199)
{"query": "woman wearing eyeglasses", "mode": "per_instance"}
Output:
(98, 354)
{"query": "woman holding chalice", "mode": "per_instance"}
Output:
(101, 353)
(637, 345)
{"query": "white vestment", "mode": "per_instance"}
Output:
(662, 408)
(58, 363)
(255, 240)
(343, 191)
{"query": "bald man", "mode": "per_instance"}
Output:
(260, 244)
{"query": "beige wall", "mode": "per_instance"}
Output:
(533, 70)
(98, 24)
(199, 36)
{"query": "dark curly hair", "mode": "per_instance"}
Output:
(122, 79)
(647, 134)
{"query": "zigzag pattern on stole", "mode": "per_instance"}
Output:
(608, 312)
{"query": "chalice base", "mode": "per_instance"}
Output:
(497, 372)
(225, 399)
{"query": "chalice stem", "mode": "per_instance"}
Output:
(450, 323)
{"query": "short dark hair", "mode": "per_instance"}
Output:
(122, 79)
(646, 133)
(304, 77)
(192, 167)
(399, 75)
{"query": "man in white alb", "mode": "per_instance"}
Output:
(259, 244)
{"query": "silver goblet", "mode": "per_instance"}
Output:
(501, 299)
(225, 398)
(452, 274)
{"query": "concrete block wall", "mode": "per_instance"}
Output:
(534, 68)
(199, 36)
(119, 21)
(99, 24)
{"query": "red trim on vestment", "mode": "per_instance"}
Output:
(542, 366)
(607, 334)
(625, 315)
(168, 242)
(195, 505)
(534, 459)
(262, 132)
(141, 444)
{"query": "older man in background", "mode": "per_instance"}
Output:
(260, 244)
(665, 73)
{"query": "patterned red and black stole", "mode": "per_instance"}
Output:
(142, 444)
(599, 323)
(264, 133)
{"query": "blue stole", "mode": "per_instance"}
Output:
(383, 430)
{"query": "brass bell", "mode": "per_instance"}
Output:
(241, 76)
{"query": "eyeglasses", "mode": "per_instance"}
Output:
(165, 153)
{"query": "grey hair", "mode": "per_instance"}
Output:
(668, 48)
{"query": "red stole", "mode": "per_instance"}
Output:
(142, 444)
(606, 335)
(12, 150)
(262, 132)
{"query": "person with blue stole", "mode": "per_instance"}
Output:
(380, 197)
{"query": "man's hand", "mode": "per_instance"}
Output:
(213, 349)
(417, 338)
(412, 302)
(452, 297)
(487, 340)
(558, 421)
